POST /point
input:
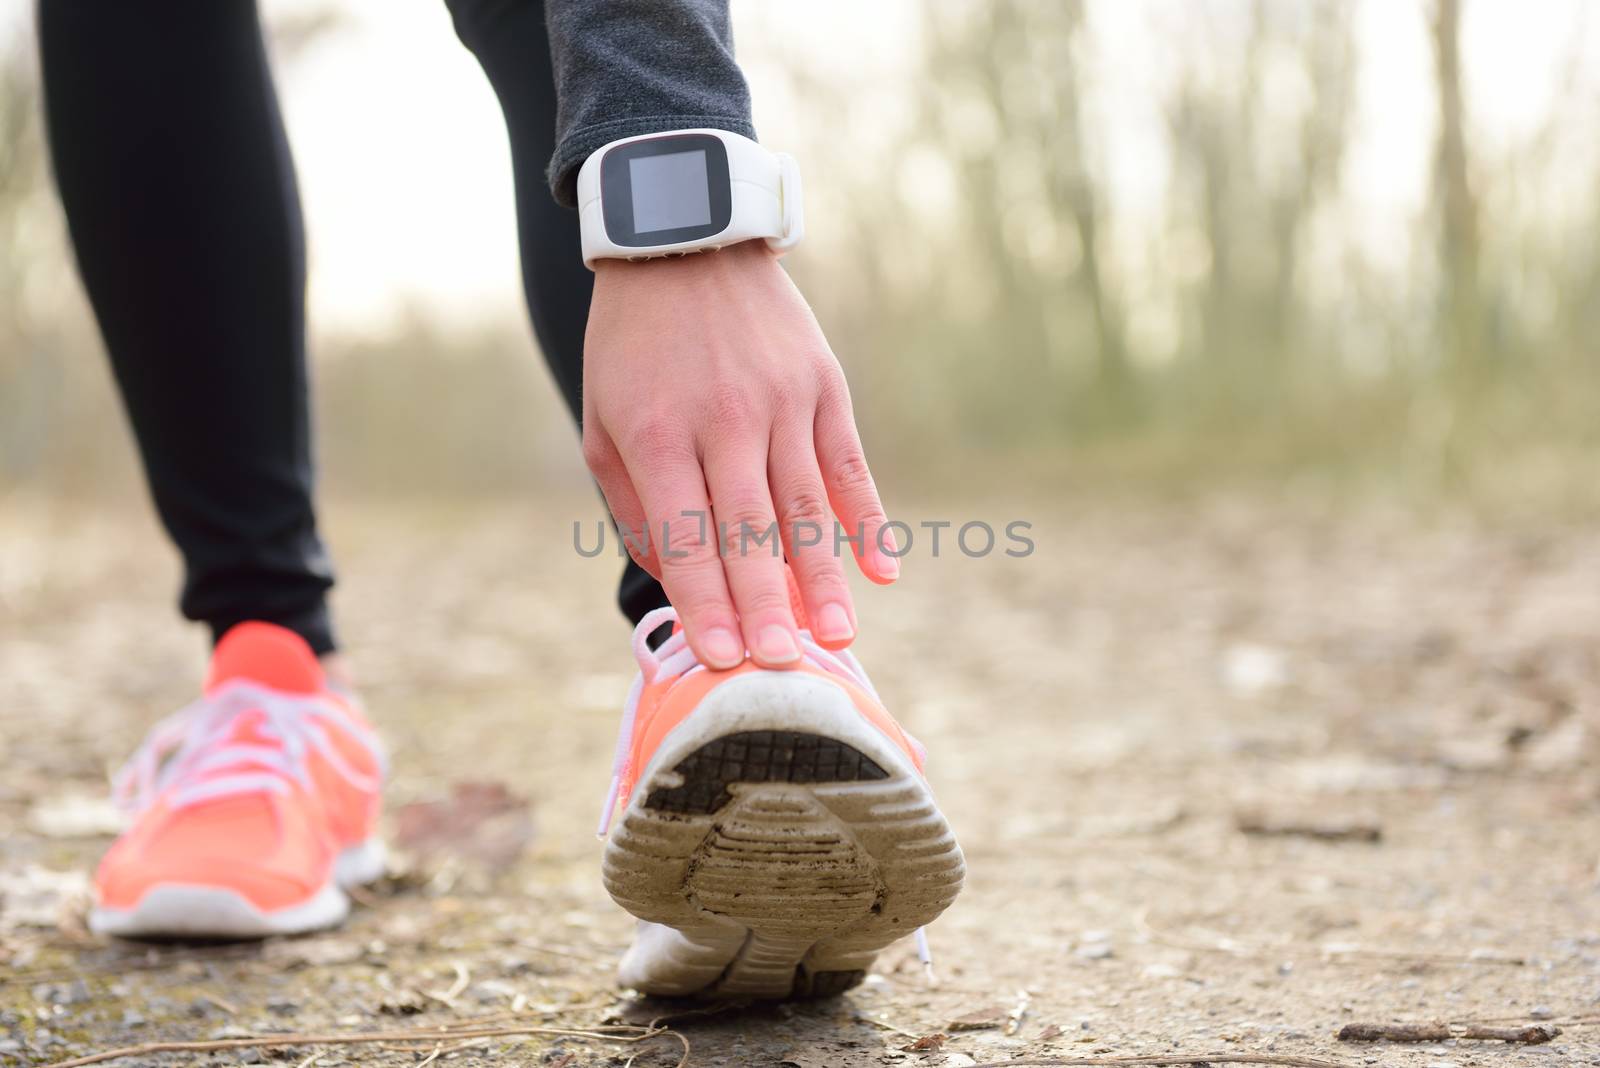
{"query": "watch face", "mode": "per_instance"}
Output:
(665, 190)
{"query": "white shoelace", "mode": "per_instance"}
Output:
(674, 658)
(191, 749)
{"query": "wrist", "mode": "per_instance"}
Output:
(727, 263)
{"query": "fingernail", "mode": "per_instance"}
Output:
(723, 647)
(777, 644)
(833, 624)
(886, 556)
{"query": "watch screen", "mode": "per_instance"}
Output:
(670, 191)
(666, 190)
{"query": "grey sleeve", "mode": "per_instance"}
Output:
(626, 67)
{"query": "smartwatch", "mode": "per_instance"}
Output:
(683, 191)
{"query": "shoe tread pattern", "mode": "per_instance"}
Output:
(759, 757)
(810, 846)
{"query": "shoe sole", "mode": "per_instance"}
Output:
(187, 910)
(784, 840)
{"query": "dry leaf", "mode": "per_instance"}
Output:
(480, 821)
(405, 1002)
(993, 1016)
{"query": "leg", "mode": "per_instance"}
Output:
(180, 197)
(509, 39)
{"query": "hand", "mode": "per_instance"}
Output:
(711, 401)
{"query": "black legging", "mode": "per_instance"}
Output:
(180, 196)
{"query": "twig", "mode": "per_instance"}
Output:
(1531, 1035)
(448, 997)
(660, 1022)
(620, 1033)
(362, 896)
(886, 1025)
(1582, 1019)
(221, 1003)
(489, 1019)
(1183, 1059)
(1018, 1011)
(568, 954)
(1262, 826)
(440, 1048)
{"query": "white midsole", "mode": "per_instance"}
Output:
(197, 911)
(361, 864)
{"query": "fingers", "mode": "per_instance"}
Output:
(605, 463)
(807, 527)
(672, 490)
(851, 490)
(752, 555)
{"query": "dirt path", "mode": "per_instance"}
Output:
(1105, 717)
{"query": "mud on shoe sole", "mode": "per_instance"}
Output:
(780, 841)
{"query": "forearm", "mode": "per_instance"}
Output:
(627, 67)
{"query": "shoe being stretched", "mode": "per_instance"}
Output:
(252, 808)
(776, 831)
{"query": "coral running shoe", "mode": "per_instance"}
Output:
(775, 832)
(252, 808)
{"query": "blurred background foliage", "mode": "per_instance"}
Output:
(1000, 301)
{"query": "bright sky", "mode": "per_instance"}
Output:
(405, 174)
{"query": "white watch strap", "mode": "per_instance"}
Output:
(765, 199)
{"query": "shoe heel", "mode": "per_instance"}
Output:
(821, 844)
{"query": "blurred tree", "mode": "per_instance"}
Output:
(1463, 332)
(1073, 186)
(1047, 345)
(19, 165)
(1258, 147)
(26, 373)
(989, 287)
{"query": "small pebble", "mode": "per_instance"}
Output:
(62, 994)
(283, 1007)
